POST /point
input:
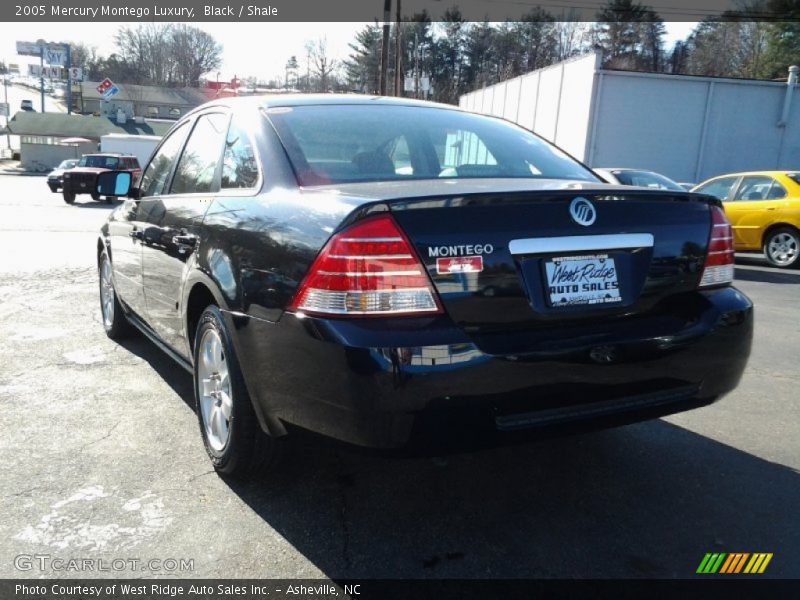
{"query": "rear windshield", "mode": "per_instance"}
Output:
(104, 162)
(351, 143)
(794, 177)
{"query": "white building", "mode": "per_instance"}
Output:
(688, 128)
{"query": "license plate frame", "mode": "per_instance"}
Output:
(583, 280)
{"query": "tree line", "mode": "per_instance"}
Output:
(758, 41)
(455, 56)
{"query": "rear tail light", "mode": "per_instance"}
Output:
(718, 269)
(368, 268)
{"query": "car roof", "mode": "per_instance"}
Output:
(628, 169)
(293, 100)
(109, 154)
(744, 173)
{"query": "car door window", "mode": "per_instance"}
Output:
(198, 166)
(239, 164)
(155, 176)
(719, 188)
(776, 192)
(755, 187)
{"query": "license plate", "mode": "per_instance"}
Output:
(578, 280)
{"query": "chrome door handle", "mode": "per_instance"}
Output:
(184, 239)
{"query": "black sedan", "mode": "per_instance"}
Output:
(323, 262)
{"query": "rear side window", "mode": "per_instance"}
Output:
(155, 176)
(342, 143)
(647, 179)
(719, 188)
(239, 165)
(760, 187)
(197, 168)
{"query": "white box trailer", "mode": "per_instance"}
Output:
(141, 146)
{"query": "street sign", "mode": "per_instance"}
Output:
(29, 49)
(104, 86)
(76, 74)
(55, 55)
(46, 72)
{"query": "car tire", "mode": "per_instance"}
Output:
(110, 199)
(95, 196)
(782, 247)
(69, 197)
(114, 322)
(234, 441)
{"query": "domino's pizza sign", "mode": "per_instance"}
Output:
(107, 89)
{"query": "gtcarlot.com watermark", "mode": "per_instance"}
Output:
(60, 564)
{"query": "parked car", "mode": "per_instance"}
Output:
(764, 210)
(82, 179)
(27, 105)
(329, 272)
(640, 178)
(55, 177)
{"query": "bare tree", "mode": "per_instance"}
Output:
(195, 52)
(166, 54)
(323, 65)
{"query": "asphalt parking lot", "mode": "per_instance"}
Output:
(101, 457)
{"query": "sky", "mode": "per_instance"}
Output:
(276, 42)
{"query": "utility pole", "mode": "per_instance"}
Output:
(41, 71)
(5, 94)
(387, 11)
(398, 57)
(69, 79)
(416, 66)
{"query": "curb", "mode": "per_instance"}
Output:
(21, 173)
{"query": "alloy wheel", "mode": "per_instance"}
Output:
(216, 402)
(783, 248)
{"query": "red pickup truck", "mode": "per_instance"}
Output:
(82, 178)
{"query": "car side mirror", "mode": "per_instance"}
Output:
(113, 183)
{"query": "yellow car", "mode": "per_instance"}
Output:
(764, 210)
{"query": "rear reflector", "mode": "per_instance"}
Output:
(718, 269)
(368, 268)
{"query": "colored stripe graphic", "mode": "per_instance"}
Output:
(758, 563)
(711, 562)
(734, 562)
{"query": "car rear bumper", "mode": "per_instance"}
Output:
(423, 382)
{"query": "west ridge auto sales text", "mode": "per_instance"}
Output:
(171, 590)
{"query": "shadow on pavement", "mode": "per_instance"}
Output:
(175, 376)
(647, 500)
(772, 276)
(94, 204)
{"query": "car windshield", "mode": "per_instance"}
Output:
(103, 162)
(352, 143)
(646, 179)
(67, 164)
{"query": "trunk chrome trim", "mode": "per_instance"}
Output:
(580, 243)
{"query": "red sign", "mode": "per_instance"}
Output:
(104, 86)
(459, 264)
